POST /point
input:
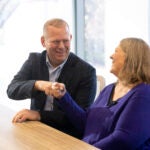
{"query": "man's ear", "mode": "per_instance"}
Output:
(70, 36)
(43, 41)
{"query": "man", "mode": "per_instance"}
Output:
(56, 63)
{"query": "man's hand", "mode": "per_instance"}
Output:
(25, 115)
(58, 90)
(51, 88)
(42, 85)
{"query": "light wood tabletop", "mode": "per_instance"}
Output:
(34, 135)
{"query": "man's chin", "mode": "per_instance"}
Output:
(60, 60)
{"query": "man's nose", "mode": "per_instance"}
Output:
(61, 44)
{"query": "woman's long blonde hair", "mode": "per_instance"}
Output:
(137, 61)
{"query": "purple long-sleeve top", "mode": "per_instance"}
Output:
(122, 126)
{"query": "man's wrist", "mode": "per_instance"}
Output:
(38, 85)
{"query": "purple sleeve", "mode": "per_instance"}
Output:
(73, 111)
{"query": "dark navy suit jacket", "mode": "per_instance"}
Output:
(78, 76)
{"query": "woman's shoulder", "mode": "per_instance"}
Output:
(142, 89)
(109, 86)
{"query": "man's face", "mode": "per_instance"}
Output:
(57, 42)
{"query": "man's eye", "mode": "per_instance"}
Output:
(65, 41)
(56, 42)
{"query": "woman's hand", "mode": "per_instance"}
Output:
(54, 89)
(58, 90)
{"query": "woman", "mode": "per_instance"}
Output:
(120, 117)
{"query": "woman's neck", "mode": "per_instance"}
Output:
(120, 90)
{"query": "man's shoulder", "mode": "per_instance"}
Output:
(77, 61)
(37, 54)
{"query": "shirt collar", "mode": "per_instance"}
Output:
(50, 65)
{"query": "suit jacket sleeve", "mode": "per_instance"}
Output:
(21, 87)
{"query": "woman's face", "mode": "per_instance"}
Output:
(118, 60)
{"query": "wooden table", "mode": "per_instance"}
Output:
(33, 135)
